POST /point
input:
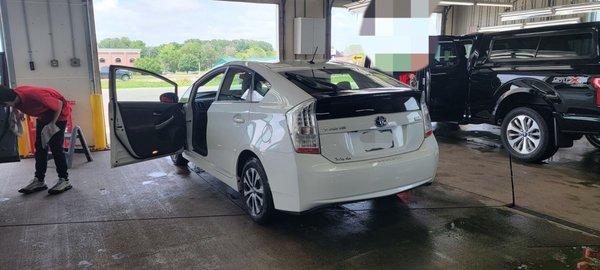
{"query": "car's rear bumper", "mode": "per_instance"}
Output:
(322, 182)
(584, 124)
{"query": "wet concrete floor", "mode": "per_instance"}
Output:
(153, 215)
(566, 186)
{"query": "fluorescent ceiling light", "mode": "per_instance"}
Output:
(491, 4)
(506, 27)
(456, 3)
(577, 8)
(526, 14)
(553, 22)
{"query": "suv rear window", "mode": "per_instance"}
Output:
(333, 80)
(577, 45)
(560, 46)
(515, 48)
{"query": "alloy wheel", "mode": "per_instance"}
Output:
(523, 134)
(253, 192)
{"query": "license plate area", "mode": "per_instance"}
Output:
(369, 141)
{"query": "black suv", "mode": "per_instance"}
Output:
(542, 85)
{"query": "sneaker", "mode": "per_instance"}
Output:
(35, 186)
(60, 187)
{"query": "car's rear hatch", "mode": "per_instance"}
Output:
(369, 124)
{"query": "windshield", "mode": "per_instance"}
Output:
(340, 79)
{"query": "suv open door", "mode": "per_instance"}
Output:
(446, 79)
(9, 151)
(146, 119)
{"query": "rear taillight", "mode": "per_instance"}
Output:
(408, 78)
(426, 118)
(595, 82)
(302, 123)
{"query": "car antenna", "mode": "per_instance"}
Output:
(312, 61)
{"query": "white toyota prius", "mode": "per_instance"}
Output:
(288, 136)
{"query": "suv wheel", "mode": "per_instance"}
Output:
(526, 135)
(179, 160)
(594, 140)
(125, 77)
(256, 192)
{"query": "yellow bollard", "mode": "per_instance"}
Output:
(23, 141)
(98, 122)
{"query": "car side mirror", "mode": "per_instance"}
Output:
(169, 98)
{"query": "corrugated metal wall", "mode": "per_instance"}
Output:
(466, 19)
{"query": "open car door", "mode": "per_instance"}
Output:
(447, 79)
(146, 119)
(8, 140)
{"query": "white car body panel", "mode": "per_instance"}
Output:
(300, 182)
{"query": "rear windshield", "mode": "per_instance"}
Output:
(332, 80)
(560, 46)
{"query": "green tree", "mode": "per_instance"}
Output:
(188, 62)
(121, 43)
(253, 51)
(169, 56)
(150, 64)
(149, 52)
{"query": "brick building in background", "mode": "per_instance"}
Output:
(123, 57)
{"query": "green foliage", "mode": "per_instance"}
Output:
(121, 43)
(169, 56)
(188, 62)
(149, 63)
(191, 55)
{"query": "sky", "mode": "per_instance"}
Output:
(158, 21)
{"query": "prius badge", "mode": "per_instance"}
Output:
(381, 121)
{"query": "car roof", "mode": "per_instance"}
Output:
(538, 29)
(285, 66)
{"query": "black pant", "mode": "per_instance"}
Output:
(58, 153)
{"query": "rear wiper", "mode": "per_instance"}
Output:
(312, 82)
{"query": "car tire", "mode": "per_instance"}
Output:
(594, 140)
(125, 77)
(179, 160)
(527, 135)
(254, 187)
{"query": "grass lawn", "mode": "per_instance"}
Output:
(137, 80)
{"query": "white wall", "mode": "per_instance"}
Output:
(76, 83)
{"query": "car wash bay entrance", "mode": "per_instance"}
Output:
(157, 215)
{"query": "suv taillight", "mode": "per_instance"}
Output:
(426, 117)
(302, 123)
(408, 78)
(595, 82)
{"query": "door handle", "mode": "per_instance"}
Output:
(238, 119)
(156, 114)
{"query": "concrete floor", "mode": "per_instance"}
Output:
(152, 215)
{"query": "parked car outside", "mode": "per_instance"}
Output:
(542, 86)
(123, 75)
(288, 136)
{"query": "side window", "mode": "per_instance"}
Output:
(514, 48)
(212, 83)
(186, 96)
(237, 85)
(445, 55)
(566, 46)
(261, 88)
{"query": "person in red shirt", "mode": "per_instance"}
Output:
(52, 111)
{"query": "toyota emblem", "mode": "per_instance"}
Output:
(381, 121)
